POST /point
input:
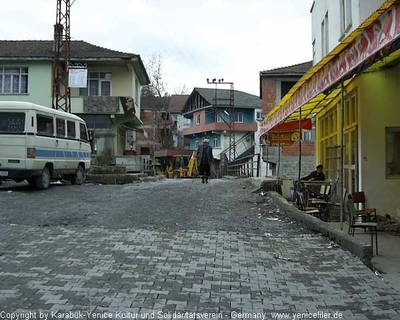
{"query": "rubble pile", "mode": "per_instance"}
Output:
(388, 225)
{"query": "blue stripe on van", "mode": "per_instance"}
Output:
(45, 153)
(41, 153)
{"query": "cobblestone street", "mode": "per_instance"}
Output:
(165, 248)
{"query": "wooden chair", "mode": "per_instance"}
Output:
(303, 207)
(323, 198)
(333, 204)
(356, 221)
(368, 213)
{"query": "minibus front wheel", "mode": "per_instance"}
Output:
(43, 180)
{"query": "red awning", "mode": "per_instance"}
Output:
(292, 126)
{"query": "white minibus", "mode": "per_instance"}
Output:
(39, 144)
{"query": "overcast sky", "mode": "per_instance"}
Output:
(197, 39)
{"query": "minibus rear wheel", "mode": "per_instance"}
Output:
(79, 176)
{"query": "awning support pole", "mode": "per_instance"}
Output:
(300, 136)
(341, 155)
(279, 152)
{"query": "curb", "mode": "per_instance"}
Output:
(347, 242)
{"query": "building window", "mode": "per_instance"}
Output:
(238, 117)
(286, 86)
(218, 117)
(309, 135)
(215, 142)
(98, 84)
(325, 35)
(313, 48)
(392, 152)
(345, 16)
(196, 144)
(198, 120)
(13, 80)
(259, 115)
(145, 150)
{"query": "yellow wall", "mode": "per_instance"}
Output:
(379, 107)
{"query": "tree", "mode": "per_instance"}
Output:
(182, 90)
(155, 96)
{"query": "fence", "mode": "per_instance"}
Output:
(245, 167)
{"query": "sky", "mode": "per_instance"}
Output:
(196, 39)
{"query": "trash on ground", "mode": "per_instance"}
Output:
(333, 245)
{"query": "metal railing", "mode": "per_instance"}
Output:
(245, 167)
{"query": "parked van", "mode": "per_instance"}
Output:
(38, 144)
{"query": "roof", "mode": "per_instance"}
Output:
(176, 102)
(80, 50)
(44, 49)
(241, 99)
(23, 105)
(296, 69)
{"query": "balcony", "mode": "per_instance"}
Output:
(217, 126)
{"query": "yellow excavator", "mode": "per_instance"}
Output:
(178, 163)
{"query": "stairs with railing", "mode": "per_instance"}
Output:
(244, 163)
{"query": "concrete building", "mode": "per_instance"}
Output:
(352, 92)
(208, 111)
(110, 104)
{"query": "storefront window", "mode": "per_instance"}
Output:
(393, 152)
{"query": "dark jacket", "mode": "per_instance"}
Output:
(209, 155)
(314, 175)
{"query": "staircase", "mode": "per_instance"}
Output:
(246, 163)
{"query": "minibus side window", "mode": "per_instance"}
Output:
(44, 125)
(82, 129)
(71, 129)
(60, 127)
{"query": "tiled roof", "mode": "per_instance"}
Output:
(43, 49)
(176, 102)
(297, 69)
(241, 99)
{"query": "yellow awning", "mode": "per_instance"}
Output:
(288, 108)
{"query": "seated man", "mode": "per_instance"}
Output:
(316, 175)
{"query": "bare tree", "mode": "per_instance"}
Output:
(182, 90)
(155, 96)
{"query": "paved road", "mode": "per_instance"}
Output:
(175, 248)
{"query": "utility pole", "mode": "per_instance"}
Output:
(61, 98)
(231, 125)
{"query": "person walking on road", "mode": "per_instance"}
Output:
(204, 160)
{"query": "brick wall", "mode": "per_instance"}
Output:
(268, 87)
(307, 149)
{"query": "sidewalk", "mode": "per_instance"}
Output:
(388, 259)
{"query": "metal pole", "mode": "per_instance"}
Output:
(300, 134)
(267, 143)
(341, 155)
(279, 152)
(154, 142)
